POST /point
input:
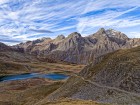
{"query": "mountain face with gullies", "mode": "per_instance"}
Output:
(9, 53)
(12, 54)
(78, 49)
(114, 79)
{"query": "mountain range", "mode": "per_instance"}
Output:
(77, 49)
(112, 74)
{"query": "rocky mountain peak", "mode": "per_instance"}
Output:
(101, 31)
(74, 35)
(60, 37)
(37, 41)
(44, 38)
(100, 34)
(114, 33)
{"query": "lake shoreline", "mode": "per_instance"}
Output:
(51, 76)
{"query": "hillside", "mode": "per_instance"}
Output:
(7, 53)
(77, 49)
(113, 78)
(13, 61)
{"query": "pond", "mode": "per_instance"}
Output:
(52, 76)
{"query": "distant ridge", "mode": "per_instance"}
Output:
(78, 49)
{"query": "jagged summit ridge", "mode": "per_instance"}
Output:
(110, 33)
(77, 49)
(60, 37)
(117, 34)
(74, 35)
(101, 31)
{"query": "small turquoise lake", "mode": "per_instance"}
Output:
(52, 76)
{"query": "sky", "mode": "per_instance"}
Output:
(23, 20)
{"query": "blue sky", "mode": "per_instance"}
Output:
(22, 20)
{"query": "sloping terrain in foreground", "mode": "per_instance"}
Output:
(113, 78)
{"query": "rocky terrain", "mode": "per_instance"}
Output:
(113, 79)
(112, 76)
(78, 49)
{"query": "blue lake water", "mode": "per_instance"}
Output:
(53, 76)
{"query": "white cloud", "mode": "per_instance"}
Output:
(17, 17)
(3, 1)
(108, 19)
(134, 34)
(94, 5)
(64, 28)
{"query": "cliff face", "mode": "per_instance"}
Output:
(78, 49)
(114, 78)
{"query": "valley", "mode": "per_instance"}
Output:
(107, 75)
(69, 52)
(11, 68)
(36, 88)
(16, 69)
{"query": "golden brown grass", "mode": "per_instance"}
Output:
(9, 68)
(129, 58)
(30, 91)
(26, 92)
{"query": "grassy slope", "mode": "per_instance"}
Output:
(111, 60)
(120, 69)
(26, 92)
(120, 65)
(9, 68)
